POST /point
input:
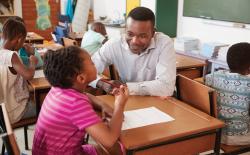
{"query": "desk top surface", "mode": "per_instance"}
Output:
(188, 121)
(75, 36)
(39, 83)
(183, 61)
(33, 36)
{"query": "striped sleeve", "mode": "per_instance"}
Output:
(83, 114)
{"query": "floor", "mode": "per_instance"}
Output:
(20, 141)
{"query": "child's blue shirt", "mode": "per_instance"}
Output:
(25, 58)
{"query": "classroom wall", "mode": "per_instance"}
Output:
(18, 8)
(114, 9)
(29, 15)
(151, 4)
(208, 30)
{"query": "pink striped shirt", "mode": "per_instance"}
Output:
(60, 128)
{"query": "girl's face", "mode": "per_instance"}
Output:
(14, 44)
(88, 67)
(19, 44)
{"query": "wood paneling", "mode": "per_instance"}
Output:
(30, 14)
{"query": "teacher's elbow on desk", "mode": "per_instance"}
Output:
(137, 89)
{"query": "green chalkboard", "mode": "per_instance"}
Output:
(224, 10)
(166, 16)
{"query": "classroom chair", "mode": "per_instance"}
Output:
(6, 132)
(200, 80)
(200, 97)
(25, 124)
(197, 95)
(204, 98)
(234, 150)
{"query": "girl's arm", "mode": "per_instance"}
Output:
(100, 105)
(40, 60)
(107, 134)
(26, 73)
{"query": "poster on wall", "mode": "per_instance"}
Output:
(6, 7)
(131, 4)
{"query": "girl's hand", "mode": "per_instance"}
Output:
(121, 95)
(33, 60)
(29, 49)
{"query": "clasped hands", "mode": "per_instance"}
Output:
(109, 85)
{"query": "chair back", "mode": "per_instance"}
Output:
(197, 95)
(68, 42)
(6, 131)
(234, 149)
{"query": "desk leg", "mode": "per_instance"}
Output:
(38, 99)
(217, 142)
(129, 152)
(212, 68)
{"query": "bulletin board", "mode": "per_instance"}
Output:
(131, 4)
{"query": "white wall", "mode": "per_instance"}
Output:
(18, 8)
(149, 4)
(196, 27)
(113, 9)
(63, 5)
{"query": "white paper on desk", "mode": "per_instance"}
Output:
(143, 117)
(39, 73)
(42, 50)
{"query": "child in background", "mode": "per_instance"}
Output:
(67, 112)
(94, 38)
(233, 98)
(13, 74)
(27, 50)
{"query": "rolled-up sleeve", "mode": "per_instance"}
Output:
(101, 59)
(164, 82)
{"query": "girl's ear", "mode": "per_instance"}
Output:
(15, 41)
(19, 40)
(81, 78)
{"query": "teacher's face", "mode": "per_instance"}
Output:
(139, 34)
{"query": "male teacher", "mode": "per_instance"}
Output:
(145, 59)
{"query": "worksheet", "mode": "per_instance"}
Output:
(39, 74)
(142, 117)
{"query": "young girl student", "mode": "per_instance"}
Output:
(67, 112)
(13, 74)
(233, 98)
(27, 50)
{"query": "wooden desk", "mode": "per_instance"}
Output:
(50, 46)
(191, 132)
(40, 87)
(34, 38)
(190, 67)
(77, 37)
(185, 65)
